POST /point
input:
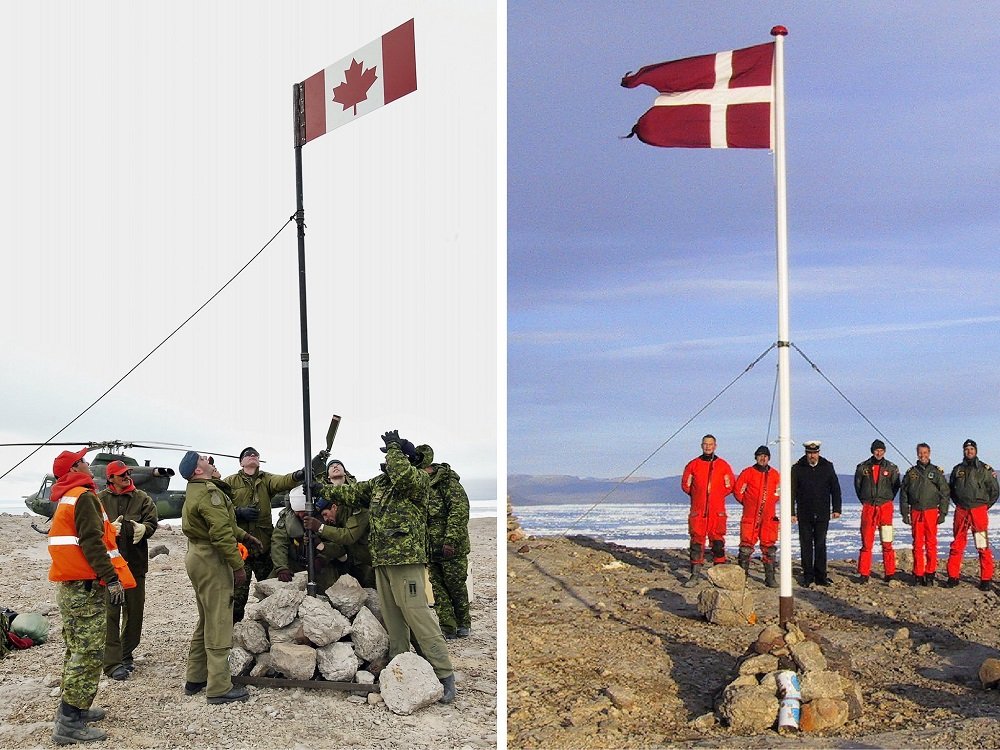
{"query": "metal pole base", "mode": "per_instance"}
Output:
(785, 609)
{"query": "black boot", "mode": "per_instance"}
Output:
(70, 727)
(744, 559)
(692, 581)
(448, 683)
(769, 575)
(718, 552)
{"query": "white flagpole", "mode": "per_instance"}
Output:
(785, 600)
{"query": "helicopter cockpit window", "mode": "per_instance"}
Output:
(46, 490)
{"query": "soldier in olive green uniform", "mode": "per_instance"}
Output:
(135, 520)
(343, 530)
(213, 564)
(398, 500)
(289, 553)
(252, 493)
(448, 532)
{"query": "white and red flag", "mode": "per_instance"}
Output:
(724, 100)
(380, 72)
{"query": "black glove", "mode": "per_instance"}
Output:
(285, 576)
(389, 438)
(319, 461)
(323, 455)
(116, 594)
(253, 543)
(310, 523)
(240, 577)
(299, 475)
(247, 514)
(410, 451)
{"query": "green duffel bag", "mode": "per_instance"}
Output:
(31, 625)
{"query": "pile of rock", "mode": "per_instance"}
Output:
(514, 531)
(729, 601)
(338, 636)
(750, 702)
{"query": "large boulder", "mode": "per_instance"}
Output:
(347, 596)
(278, 610)
(725, 607)
(809, 656)
(321, 623)
(337, 662)
(408, 683)
(240, 660)
(294, 661)
(250, 635)
(370, 639)
(728, 577)
(823, 714)
(291, 633)
(748, 708)
(821, 684)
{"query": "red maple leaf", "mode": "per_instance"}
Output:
(354, 89)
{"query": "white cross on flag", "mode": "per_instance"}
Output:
(724, 100)
(378, 73)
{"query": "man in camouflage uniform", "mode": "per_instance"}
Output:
(214, 565)
(448, 532)
(398, 499)
(81, 525)
(923, 504)
(289, 553)
(343, 530)
(252, 491)
(135, 521)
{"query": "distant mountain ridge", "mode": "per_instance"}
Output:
(559, 489)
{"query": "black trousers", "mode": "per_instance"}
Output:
(812, 545)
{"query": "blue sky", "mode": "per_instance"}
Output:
(642, 280)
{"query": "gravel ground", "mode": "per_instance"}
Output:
(150, 710)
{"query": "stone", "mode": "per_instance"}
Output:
(770, 639)
(278, 609)
(374, 699)
(760, 664)
(291, 633)
(727, 577)
(294, 661)
(853, 697)
(989, 673)
(269, 586)
(724, 607)
(703, 722)
(821, 684)
(373, 604)
(371, 640)
(770, 681)
(251, 636)
(747, 708)
(337, 662)
(744, 679)
(621, 698)
(808, 656)
(240, 660)
(408, 683)
(347, 596)
(159, 549)
(321, 623)
(902, 634)
(793, 634)
(264, 666)
(364, 678)
(823, 714)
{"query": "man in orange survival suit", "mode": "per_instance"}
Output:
(757, 491)
(876, 482)
(707, 479)
(974, 490)
(85, 560)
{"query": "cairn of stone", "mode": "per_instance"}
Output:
(750, 703)
(729, 601)
(337, 636)
(514, 531)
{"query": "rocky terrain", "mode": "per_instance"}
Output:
(607, 649)
(150, 710)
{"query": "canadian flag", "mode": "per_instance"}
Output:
(724, 100)
(378, 73)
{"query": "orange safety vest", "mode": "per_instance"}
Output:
(68, 561)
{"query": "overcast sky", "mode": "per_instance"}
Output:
(148, 155)
(641, 280)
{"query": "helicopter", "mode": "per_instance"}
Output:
(153, 480)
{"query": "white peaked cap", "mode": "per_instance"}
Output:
(297, 498)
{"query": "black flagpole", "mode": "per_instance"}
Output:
(298, 110)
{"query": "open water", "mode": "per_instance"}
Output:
(664, 526)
